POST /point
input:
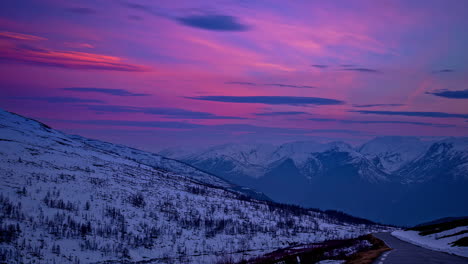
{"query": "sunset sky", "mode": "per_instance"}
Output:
(154, 74)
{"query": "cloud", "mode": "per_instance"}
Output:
(137, 6)
(77, 45)
(320, 66)
(270, 100)
(346, 131)
(145, 8)
(444, 71)
(131, 123)
(81, 10)
(213, 22)
(362, 70)
(379, 122)
(186, 125)
(271, 84)
(66, 59)
(280, 113)
(116, 92)
(374, 105)
(289, 85)
(20, 36)
(161, 111)
(57, 99)
(225, 128)
(277, 130)
(421, 114)
(450, 94)
(258, 129)
(242, 83)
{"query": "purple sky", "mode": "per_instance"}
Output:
(153, 74)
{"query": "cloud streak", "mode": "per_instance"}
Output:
(66, 59)
(450, 94)
(286, 85)
(20, 36)
(116, 92)
(280, 113)
(365, 70)
(407, 113)
(444, 71)
(343, 121)
(213, 22)
(225, 128)
(320, 66)
(270, 100)
(143, 124)
(242, 83)
(345, 131)
(289, 85)
(57, 99)
(374, 105)
(160, 111)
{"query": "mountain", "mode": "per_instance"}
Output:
(417, 179)
(445, 160)
(393, 152)
(68, 199)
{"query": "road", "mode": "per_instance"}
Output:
(406, 253)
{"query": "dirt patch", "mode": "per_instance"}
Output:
(368, 257)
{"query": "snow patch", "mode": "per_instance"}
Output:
(435, 241)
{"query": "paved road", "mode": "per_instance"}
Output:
(406, 253)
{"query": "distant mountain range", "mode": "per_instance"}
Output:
(69, 199)
(397, 180)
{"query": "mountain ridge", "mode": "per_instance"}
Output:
(407, 166)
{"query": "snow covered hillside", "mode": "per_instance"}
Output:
(67, 199)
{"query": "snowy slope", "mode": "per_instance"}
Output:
(441, 241)
(298, 151)
(154, 160)
(233, 158)
(66, 199)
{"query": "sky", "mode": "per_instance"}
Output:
(156, 74)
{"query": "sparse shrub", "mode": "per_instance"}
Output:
(138, 200)
(9, 232)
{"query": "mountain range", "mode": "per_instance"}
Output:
(391, 179)
(69, 199)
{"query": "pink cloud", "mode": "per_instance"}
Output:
(65, 59)
(20, 36)
(79, 45)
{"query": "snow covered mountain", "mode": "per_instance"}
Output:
(237, 162)
(386, 171)
(68, 199)
(394, 152)
(444, 160)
